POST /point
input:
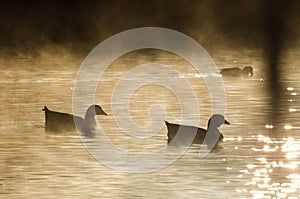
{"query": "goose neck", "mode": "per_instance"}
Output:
(89, 115)
(213, 128)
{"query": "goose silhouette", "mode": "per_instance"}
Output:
(237, 72)
(64, 122)
(195, 134)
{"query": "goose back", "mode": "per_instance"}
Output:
(64, 122)
(187, 133)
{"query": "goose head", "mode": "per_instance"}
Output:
(248, 70)
(217, 120)
(94, 110)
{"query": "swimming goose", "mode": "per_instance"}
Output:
(190, 132)
(237, 72)
(62, 122)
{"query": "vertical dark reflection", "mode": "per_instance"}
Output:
(277, 14)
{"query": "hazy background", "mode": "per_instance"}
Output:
(45, 32)
(56, 34)
(42, 45)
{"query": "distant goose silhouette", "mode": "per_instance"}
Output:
(199, 134)
(63, 122)
(237, 72)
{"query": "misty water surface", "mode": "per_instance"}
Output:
(255, 160)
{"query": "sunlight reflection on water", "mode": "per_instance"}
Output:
(254, 162)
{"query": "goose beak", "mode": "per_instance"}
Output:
(101, 112)
(226, 122)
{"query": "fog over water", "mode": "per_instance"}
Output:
(32, 26)
(42, 46)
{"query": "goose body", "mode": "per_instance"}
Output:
(237, 72)
(180, 135)
(65, 122)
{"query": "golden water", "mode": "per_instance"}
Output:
(255, 162)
